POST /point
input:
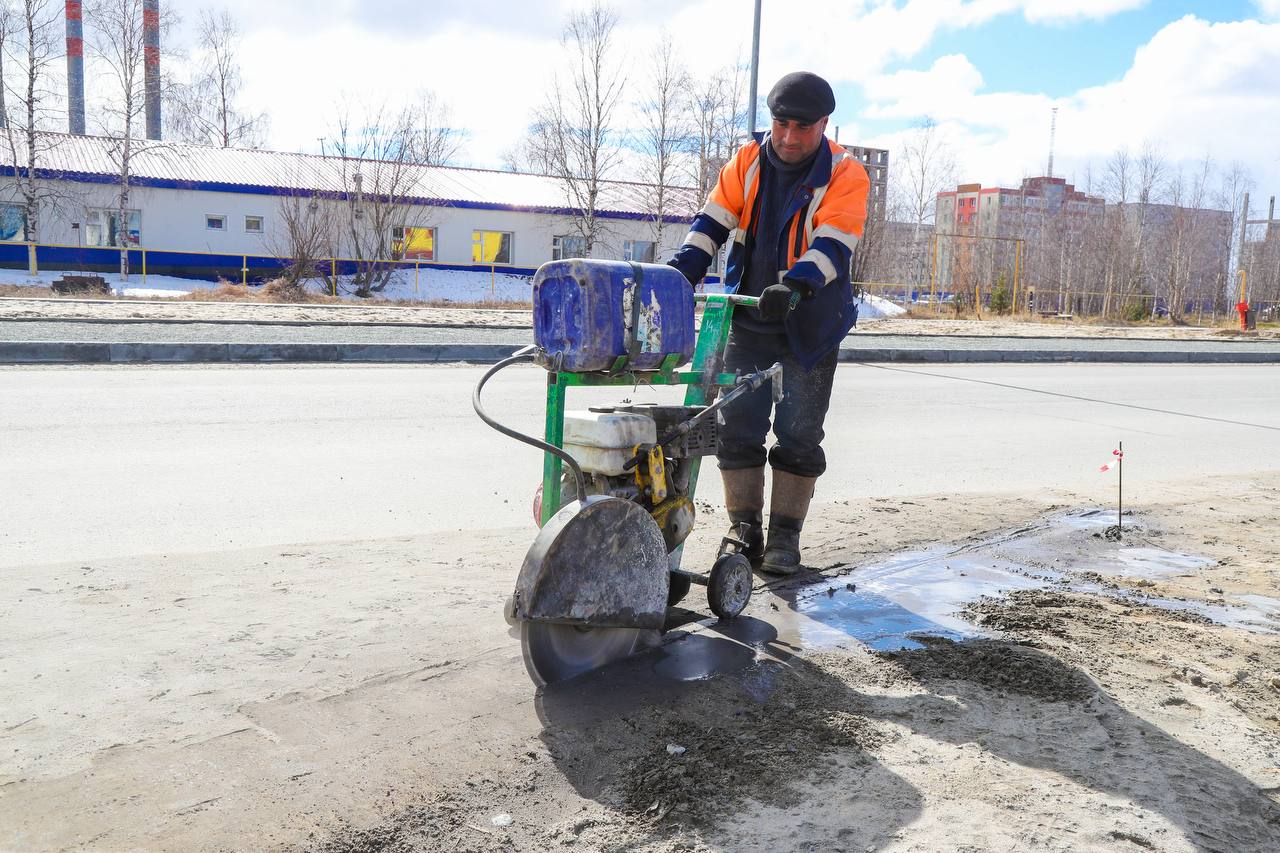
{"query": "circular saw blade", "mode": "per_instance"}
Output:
(555, 652)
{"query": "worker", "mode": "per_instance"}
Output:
(795, 204)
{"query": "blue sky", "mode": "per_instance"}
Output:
(1059, 59)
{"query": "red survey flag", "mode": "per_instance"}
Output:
(1116, 456)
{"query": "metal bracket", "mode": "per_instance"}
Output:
(651, 473)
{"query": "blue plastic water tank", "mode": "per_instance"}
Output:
(582, 314)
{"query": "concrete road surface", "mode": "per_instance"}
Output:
(114, 461)
(245, 605)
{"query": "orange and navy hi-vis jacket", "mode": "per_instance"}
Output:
(824, 221)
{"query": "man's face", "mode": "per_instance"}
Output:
(794, 141)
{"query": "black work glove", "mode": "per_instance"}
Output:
(777, 300)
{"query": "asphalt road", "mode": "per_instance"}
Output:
(117, 461)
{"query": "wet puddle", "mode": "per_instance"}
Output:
(883, 605)
(887, 605)
(1156, 563)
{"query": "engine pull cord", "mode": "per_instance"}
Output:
(525, 354)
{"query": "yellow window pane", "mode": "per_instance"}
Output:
(419, 243)
(489, 247)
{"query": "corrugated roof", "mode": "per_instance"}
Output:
(275, 170)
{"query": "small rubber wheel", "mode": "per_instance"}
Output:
(730, 586)
(679, 588)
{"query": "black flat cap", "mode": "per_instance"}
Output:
(801, 96)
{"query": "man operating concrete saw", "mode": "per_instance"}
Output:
(795, 204)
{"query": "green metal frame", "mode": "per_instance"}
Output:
(713, 335)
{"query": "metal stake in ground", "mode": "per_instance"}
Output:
(1120, 498)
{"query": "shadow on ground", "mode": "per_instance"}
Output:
(747, 718)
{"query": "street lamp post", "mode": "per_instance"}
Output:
(755, 72)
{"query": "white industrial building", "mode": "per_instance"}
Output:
(227, 207)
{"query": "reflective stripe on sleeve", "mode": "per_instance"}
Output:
(850, 241)
(820, 260)
(701, 241)
(720, 214)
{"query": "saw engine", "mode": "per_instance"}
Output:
(616, 447)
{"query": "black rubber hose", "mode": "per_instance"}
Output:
(524, 355)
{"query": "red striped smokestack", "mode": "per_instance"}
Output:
(75, 68)
(151, 61)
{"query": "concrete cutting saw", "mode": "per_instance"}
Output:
(616, 501)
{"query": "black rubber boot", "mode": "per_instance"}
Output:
(782, 553)
(788, 506)
(744, 501)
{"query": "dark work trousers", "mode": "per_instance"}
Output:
(798, 419)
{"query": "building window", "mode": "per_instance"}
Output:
(13, 225)
(413, 242)
(102, 228)
(568, 246)
(640, 251)
(213, 222)
(491, 247)
(253, 225)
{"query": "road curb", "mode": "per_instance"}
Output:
(166, 321)
(941, 356)
(64, 352)
(60, 352)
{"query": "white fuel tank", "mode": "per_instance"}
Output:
(602, 442)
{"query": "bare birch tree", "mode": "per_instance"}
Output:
(1151, 169)
(1187, 247)
(378, 165)
(8, 17)
(204, 110)
(572, 134)
(719, 117)
(116, 35)
(926, 167)
(1234, 182)
(1118, 188)
(306, 236)
(436, 142)
(29, 48)
(663, 136)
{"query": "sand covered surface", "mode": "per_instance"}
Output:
(310, 313)
(976, 672)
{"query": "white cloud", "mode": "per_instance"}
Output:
(1269, 9)
(1057, 11)
(1195, 88)
(481, 75)
(491, 61)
